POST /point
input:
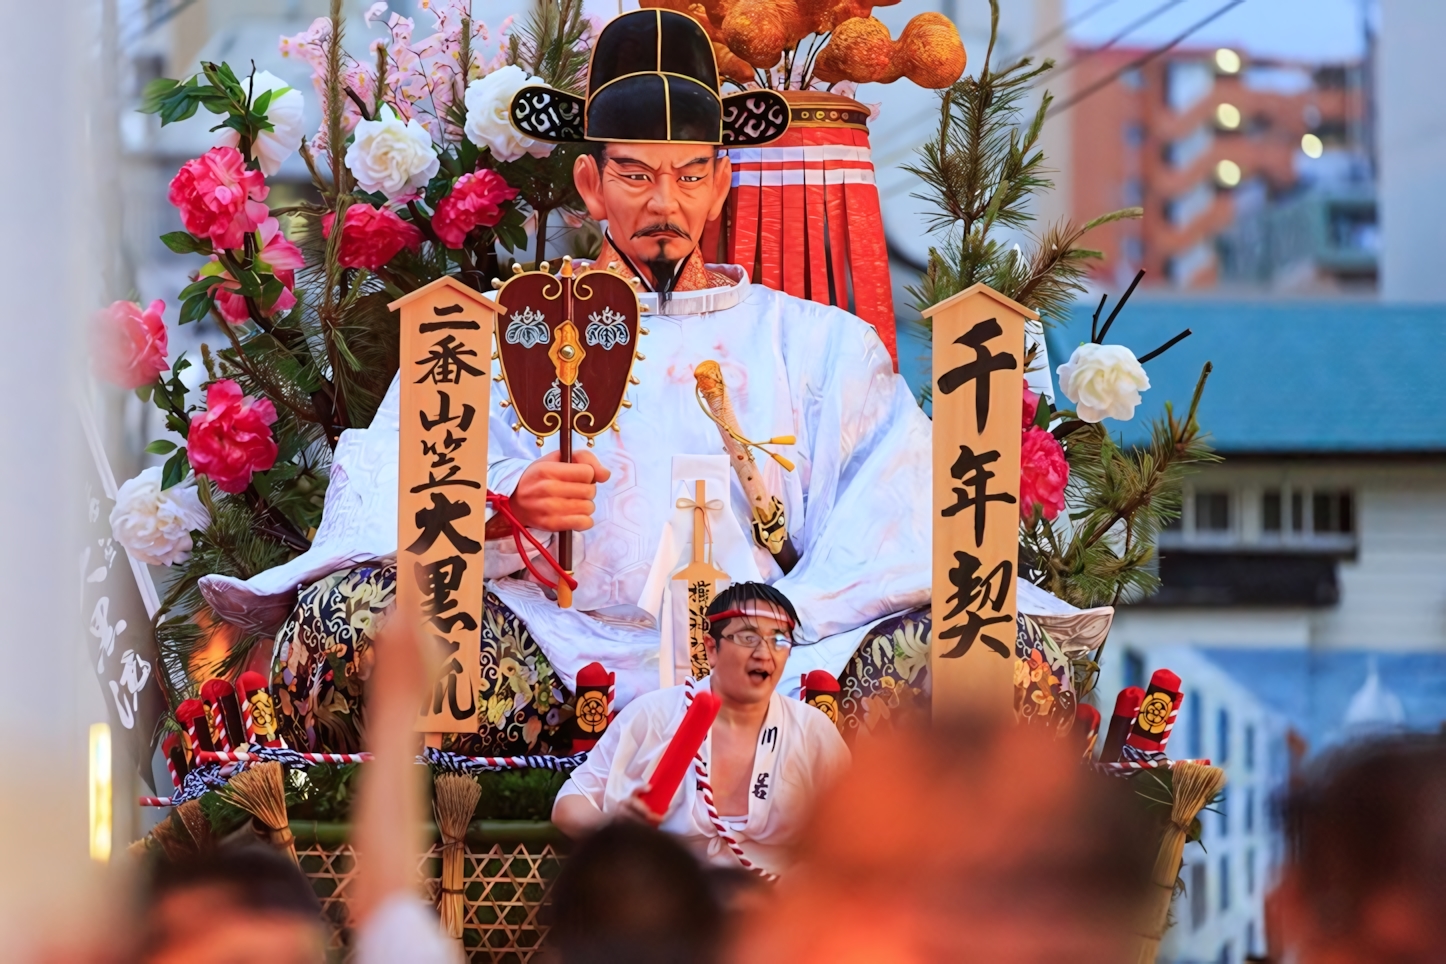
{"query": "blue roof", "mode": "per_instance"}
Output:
(1307, 377)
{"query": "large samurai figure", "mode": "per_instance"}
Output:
(838, 521)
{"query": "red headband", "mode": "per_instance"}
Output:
(765, 610)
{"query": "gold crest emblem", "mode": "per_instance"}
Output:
(826, 703)
(1155, 712)
(263, 714)
(592, 712)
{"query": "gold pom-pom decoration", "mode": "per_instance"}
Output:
(861, 49)
(717, 10)
(825, 69)
(731, 66)
(930, 52)
(755, 31)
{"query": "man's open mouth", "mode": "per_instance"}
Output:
(759, 675)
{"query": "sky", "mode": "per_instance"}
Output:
(1294, 29)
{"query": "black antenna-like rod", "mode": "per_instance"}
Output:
(1095, 321)
(1166, 346)
(1123, 298)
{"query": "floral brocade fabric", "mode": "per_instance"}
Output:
(886, 682)
(323, 658)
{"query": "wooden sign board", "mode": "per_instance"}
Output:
(446, 346)
(978, 382)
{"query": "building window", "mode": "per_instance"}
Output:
(1134, 668)
(1195, 731)
(1132, 249)
(1134, 135)
(1132, 192)
(1250, 938)
(1199, 896)
(1224, 883)
(1212, 511)
(1297, 512)
(1331, 512)
(1250, 879)
(1250, 747)
(1250, 810)
(1132, 79)
(1270, 511)
(1222, 736)
(1222, 810)
(1227, 954)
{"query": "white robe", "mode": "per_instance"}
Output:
(801, 759)
(858, 501)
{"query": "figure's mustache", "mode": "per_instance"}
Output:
(665, 227)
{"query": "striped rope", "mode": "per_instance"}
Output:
(705, 789)
(280, 754)
(1128, 767)
(458, 763)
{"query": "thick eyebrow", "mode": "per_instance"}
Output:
(699, 160)
(631, 160)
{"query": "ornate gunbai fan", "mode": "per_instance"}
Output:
(566, 344)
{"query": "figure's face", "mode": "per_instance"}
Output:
(747, 675)
(656, 197)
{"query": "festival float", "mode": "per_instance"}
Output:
(393, 358)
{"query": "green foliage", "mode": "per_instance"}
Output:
(979, 172)
(324, 792)
(518, 794)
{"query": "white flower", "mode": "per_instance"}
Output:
(489, 121)
(1104, 381)
(153, 525)
(391, 156)
(285, 114)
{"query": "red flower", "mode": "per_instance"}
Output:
(475, 201)
(219, 197)
(232, 438)
(1031, 407)
(130, 344)
(1043, 473)
(278, 257)
(371, 237)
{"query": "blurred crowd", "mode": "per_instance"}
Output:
(974, 841)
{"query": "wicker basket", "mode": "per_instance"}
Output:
(509, 867)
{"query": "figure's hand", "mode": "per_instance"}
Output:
(633, 808)
(556, 496)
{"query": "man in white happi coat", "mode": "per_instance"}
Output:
(765, 760)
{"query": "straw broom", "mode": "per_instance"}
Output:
(1194, 787)
(261, 791)
(196, 824)
(454, 800)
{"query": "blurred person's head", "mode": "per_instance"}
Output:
(975, 840)
(750, 634)
(1365, 875)
(630, 894)
(231, 906)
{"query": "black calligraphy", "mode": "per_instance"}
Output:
(439, 581)
(974, 596)
(444, 691)
(436, 522)
(447, 362)
(980, 370)
(972, 492)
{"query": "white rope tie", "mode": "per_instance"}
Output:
(700, 772)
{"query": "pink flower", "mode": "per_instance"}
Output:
(232, 438)
(371, 236)
(278, 257)
(219, 197)
(129, 348)
(1031, 407)
(1043, 473)
(474, 202)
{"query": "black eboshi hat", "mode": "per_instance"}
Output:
(653, 77)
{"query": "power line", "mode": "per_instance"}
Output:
(1140, 61)
(1066, 26)
(1121, 35)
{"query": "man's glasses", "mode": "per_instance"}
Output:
(778, 641)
